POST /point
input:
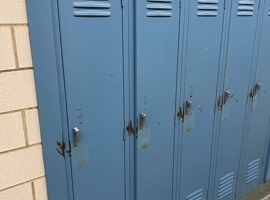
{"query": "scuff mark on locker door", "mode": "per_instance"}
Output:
(143, 138)
(62, 148)
(189, 122)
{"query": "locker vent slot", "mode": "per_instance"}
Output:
(197, 195)
(225, 185)
(92, 9)
(207, 8)
(245, 8)
(269, 12)
(157, 9)
(253, 170)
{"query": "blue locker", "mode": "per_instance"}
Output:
(165, 99)
(94, 95)
(200, 64)
(156, 48)
(257, 142)
(242, 29)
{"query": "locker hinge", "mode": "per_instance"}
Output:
(224, 4)
(122, 3)
(124, 134)
(180, 4)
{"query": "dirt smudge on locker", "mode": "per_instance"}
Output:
(62, 148)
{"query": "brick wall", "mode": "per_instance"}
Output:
(21, 162)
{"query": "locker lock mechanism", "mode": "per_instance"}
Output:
(227, 95)
(257, 87)
(188, 106)
(76, 136)
(142, 120)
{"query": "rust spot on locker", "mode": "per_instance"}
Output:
(180, 114)
(69, 151)
(112, 75)
(61, 147)
(137, 129)
(251, 95)
(130, 129)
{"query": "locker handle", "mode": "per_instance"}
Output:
(142, 120)
(188, 106)
(257, 87)
(227, 95)
(76, 136)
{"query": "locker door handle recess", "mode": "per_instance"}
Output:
(142, 120)
(76, 136)
(257, 87)
(188, 106)
(227, 95)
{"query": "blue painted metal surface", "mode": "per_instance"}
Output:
(104, 63)
(201, 58)
(257, 141)
(156, 51)
(236, 80)
(94, 92)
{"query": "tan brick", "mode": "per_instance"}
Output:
(23, 47)
(21, 192)
(20, 166)
(32, 125)
(13, 12)
(11, 131)
(17, 90)
(41, 189)
(7, 60)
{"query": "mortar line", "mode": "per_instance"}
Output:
(13, 186)
(14, 47)
(33, 190)
(19, 110)
(24, 128)
(17, 69)
(17, 25)
(20, 148)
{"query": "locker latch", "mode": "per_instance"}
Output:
(227, 95)
(76, 136)
(188, 106)
(257, 87)
(142, 120)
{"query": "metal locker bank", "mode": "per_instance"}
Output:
(153, 99)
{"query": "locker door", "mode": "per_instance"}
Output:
(157, 27)
(257, 138)
(204, 19)
(242, 29)
(91, 36)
